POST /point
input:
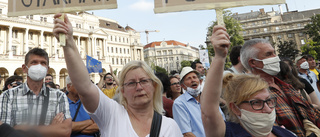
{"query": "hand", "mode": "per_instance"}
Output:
(111, 71)
(58, 119)
(64, 27)
(101, 75)
(220, 41)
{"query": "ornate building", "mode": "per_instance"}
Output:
(103, 39)
(275, 25)
(169, 54)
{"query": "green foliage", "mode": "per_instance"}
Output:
(313, 28)
(201, 47)
(185, 63)
(312, 48)
(233, 28)
(115, 71)
(288, 49)
(161, 70)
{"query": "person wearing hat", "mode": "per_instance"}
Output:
(186, 108)
(304, 72)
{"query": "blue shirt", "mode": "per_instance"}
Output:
(187, 113)
(82, 115)
(312, 79)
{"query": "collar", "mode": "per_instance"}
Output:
(27, 90)
(189, 97)
(70, 101)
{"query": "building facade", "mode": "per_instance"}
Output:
(101, 38)
(275, 25)
(169, 54)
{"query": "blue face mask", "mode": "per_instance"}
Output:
(194, 92)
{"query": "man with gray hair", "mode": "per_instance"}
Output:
(82, 124)
(258, 56)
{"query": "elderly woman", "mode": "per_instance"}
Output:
(140, 95)
(251, 107)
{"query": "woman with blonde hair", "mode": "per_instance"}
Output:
(250, 105)
(138, 113)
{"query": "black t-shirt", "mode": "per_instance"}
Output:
(309, 89)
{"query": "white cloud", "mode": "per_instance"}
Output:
(142, 5)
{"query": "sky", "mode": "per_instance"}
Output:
(189, 27)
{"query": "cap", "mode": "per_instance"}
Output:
(187, 70)
(297, 59)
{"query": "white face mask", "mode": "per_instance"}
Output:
(304, 65)
(271, 65)
(37, 72)
(194, 92)
(257, 124)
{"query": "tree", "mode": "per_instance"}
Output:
(288, 49)
(233, 28)
(312, 48)
(161, 70)
(313, 28)
(185, 63)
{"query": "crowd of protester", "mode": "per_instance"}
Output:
(259, 95)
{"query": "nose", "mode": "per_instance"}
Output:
(266, 108)
(138, 86)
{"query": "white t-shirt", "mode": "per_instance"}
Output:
(113, 120)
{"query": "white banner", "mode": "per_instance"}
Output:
(204, 58)
(33, 7)
(162, 6)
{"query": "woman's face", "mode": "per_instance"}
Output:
(138, 95)
(261, 95)
(175, 85)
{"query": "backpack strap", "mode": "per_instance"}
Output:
(156, 124)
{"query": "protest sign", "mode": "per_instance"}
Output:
(34, 7)
(204, 58)
(162, 6)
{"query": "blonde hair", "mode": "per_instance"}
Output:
(157, 95)
(240, 88)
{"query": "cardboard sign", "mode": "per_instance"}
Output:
(204, 58)
(162, 6)
(33, 7)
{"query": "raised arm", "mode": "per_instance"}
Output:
(88, 92)
(211, 117)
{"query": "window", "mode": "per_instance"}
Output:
(30, 35)
(58, 52)
(299, 25)
(121, 62)
(158, 52)
(108, 49)
(289, 35)
(279, 37)
(43, 19)
(112, 60)
(244, 32)
(98, 54)
(120, 51)
(164, 52)
(277, 28)
(170, 52)
(254, 31)
(15, 34)
(128, 51)
(302, 42)
(111, 49)
(301, 34)
(116, 50)
(14, 50)
(117, 61)
(264, 22)
(107, 24)
(29, 16)
(124, 51)
(265, 29)
(45, 37)
(0, 11)
(253, 23)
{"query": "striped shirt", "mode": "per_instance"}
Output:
(20, 106)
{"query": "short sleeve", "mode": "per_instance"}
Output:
(180, 115)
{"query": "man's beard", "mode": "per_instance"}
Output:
(109, 84)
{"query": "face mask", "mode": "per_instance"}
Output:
(194, 92)
(37, 72)
(304, 65)
(271, 66)
(258, 124)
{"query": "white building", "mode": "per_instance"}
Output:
(169, 54)
(101, 38)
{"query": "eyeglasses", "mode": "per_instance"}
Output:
(143, 83)
(259, 104)
(109, 77)
(310, 79)
(177, 83)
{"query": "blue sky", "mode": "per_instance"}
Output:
(186, 27)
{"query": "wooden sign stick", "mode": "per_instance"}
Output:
(219, 14)
(62, 37)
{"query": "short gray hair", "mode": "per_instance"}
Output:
(249, 51)
(68, 80)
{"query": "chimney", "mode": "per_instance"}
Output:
(280, 8)
(287, 7)
(272, 9)
(251, 10)
(262, 11)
